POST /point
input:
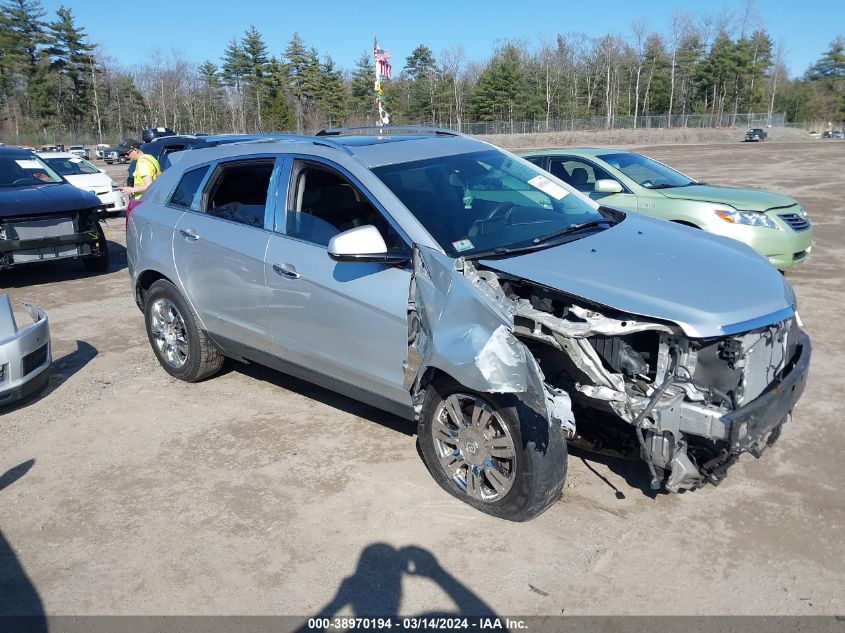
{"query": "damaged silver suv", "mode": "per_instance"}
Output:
(455, 284)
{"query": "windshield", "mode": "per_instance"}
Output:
(25, 171)
(647, 172)
(74, 166)
(485, 201)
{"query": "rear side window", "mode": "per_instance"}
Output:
(187, 189)
(239, 191)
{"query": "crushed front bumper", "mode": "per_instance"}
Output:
(756, 425)
(25, 354)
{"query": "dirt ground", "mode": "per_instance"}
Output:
(128, 492)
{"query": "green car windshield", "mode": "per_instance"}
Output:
(483, 202)
(646, 172)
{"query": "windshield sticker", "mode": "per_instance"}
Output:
(29, 164)
(548, 187)
(75, 159)
(462, 245)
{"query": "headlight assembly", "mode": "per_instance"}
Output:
(749, 218)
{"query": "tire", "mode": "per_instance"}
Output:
(98, 263)
(121, 160)
(183, 349)
(515, 476)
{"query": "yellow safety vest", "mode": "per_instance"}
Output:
(154, 168)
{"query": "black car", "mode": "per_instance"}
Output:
(44, 217)
(756, 134)
(118, 154)
(162, 147)
(155, 132)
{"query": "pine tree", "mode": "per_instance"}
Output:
(278, 114)
(333, 95)
(500, 92)
(72, 60)
(255, 63)
(423, 91)
(234, 72)
(362, 95)
(303, 74)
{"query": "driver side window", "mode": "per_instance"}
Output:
(578, 173)
(322, 204)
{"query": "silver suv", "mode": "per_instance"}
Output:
(457, 285)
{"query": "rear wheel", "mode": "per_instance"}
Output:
(181, 346)
(491, 451)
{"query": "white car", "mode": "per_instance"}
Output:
(84, 175)
(79, 150)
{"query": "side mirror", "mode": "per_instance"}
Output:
(607, 185)
(362, 244)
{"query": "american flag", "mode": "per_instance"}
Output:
(381, 56)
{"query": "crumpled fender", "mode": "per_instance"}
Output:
(458, 323)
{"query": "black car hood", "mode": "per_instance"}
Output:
(47, 199)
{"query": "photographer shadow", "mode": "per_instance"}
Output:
(375, 589)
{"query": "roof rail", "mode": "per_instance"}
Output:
(387, 130)
(300, 138)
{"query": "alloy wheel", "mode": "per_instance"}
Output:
(474, 447)
(169, 333)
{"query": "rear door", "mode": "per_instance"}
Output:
(345, 320)
(219, 246)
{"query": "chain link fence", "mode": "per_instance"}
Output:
(620, 122)
(623, 122)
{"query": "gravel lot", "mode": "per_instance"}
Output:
(128, 492)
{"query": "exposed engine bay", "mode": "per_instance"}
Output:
(616, 383)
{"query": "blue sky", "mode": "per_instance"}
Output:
(200, 29)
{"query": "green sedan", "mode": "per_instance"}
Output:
(773, 224)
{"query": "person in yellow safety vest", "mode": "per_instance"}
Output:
(147, 169)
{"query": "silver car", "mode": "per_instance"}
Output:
(25, 354)
(461, 287)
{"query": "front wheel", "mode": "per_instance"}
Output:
(98, 263)
(181, 346)
(491, 451)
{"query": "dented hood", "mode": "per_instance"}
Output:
(742, 199)
(47, 199)
(708, 285)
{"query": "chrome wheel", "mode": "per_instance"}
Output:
(474, 447)
(169, 333)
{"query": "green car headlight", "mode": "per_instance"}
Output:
(749, 218)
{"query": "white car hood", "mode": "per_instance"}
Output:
(91, 182)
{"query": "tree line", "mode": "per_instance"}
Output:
(55, 83)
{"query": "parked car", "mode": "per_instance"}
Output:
(455, 284)
(773, 224)
(815, 134)
(25, 354)
(163, 147)
(837, 134)
(83, 174)
(118, 154)
(44, 217)
(79, 150)
(101, 149)
(756, 134)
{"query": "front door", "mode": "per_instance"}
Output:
(346, 320)
(583, 174)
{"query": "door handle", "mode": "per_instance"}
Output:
(287, 270)
(189, 234)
